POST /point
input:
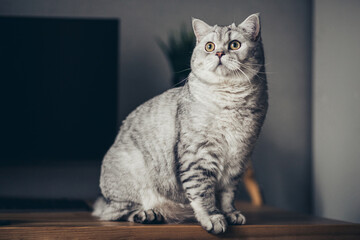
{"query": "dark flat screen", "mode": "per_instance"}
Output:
(58, 88)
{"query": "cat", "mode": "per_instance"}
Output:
(181, 154)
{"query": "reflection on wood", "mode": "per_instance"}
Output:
(262, 223)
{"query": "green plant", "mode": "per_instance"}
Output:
(178, 50)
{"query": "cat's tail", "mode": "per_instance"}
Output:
(99, 206)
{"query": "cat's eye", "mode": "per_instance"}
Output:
(234, 45)
(209, 47)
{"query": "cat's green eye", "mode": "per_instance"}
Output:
(234, 45)
(209, 47)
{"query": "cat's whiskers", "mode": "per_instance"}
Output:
(232, 64)
(239, 69)
(177, 84)
(253, 71)
(184, 70)
(256, 64)
(235, 63)
(211, 65)
(250, 68)
(238, 74)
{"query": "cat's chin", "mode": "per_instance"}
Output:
(222, 71)
(212, 78)
(220, 76)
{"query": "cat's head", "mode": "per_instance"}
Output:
(232, 52)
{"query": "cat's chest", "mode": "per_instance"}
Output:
(232, 130)
(230, 125)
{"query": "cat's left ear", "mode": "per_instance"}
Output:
(251, 26)
(200, 28)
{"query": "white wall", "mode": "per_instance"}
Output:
(282, 157)
(336, 112)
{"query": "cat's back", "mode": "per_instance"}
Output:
(152, 125)
(153, 113)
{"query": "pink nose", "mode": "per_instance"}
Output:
(220, 54)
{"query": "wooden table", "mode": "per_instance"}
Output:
(262, 223)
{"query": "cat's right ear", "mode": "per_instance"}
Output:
(251, 26)
(200, 28)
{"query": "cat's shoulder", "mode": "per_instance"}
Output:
(164, 101)
(167, 96)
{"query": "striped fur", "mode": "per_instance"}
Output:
(181, 154)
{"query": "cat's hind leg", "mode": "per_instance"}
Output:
(146, 216)
(148, 213)
(125, 210)
(114, 210)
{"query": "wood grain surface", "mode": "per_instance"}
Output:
(262, 223)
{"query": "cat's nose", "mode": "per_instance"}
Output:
(220, 54)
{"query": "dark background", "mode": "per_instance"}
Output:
(307, 157)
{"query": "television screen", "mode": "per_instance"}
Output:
(58, 81)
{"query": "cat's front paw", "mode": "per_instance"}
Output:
(215, 224)
(235, 218)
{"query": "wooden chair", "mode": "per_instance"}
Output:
(252, 187)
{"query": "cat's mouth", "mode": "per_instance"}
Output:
(221, 69)
(222, 65)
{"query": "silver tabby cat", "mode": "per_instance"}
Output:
(181, 154)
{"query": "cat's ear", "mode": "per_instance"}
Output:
(251, 26)
(200, 28)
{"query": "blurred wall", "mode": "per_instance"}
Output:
(282, 157)
(336, 112)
